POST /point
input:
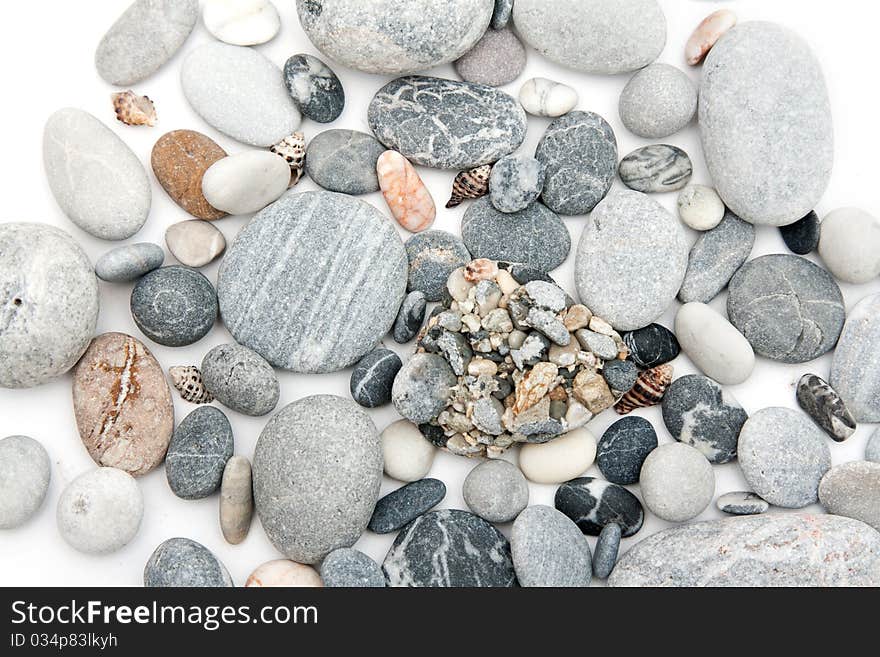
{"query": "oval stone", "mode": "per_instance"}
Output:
(373, 377)
(284, 573)
(195, 243)
(559, 460)
(713, 344)
(241, 22)
(593, 503)
(246, 182)
(433, 256)
(179, 160)
(422, 387)
(855, 369)
(349, 568)
(314, 88)
(849, 245)
(658, 101)
(199, 450)
(407, 454)
(853, 490)
(25, 472)
(549, 550)
(128, 263)
(236, 500)
(402, 506)
(543, 97)
(241, 379)
(741, 504)
(656, 168)
(174, 306)
(180, 562)
(496, 59)
(344, 161)
(677, 482)
(802, 237)
(516, 182)
(496, 491)
(623, 449)
(651, 346)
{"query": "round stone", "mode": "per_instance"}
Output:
(407, 454)
(236, 500)
(174, 306)
(852, 490)
(194, 243)
(559, 460)
(433, 255)
(496, 59)
(496, 491)
(344, 161)
(516, 182)
(314, 87)
(620, 375)
(25, 472)
(700, 207)
(373, 377)
(855, 368)
(128, 263)
(180, 562)
(593, 503)
(201, 446)
(241, 379)
(402, 506)
(741, 504)
(284, 573)
(422, 387)
(179, 160)
(658, 101)
(677, 482)
(651, 346)
(607, 548)
(246, 182)
(713, 344)
(241, 22)
(850, 245)
(543, 97)
(349, 568)
(549, 550)
(802, 237)
(623, 449)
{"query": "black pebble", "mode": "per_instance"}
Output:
(402, 506)
(593, 503)
(802, 237)
(652, 346)
(373, 377)
(624, 448)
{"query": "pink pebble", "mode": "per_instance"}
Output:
(408, 199)
(707, 34)
(284, 573)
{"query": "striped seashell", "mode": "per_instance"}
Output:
(293, 150)
(132, 109)
(647, 391)
(187, 379)
(470, 184)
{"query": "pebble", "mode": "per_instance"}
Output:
(422, 387)
(791, 550)
(236, 500)
(496, 59)
(543, 97)
(601, 345)
(822, 403)
(706, 35)
(195, 243)
(802, 237)
(852, 490)
(855, 369)
(850, 245)
(317, 472)
(128, 263)
(535, 237)
(559, 460)
(433, 255)
(410, 318)
(700, 207)
(549, 550)
(241, 379)
(516, 182)
(496, 491)
(789, 309)
(872, 449)
(314, 87)
(449, 548)
(658, 101)
(283, 278)
(284, 573)
(407, 196)
(501, 14)
(373, 377)
(174, 306)
(246, 182)
(349, 568)
(122, 404)
(110, 196)
(179, 160)
(344, 161)
(657, 168)
(201, 446)
(239, 92)
(715, 257)
(49, 304)
(579, 152)
(771, 70)
(742, 504)
(620, 375)
(612, 36)
(631, 260)
(180, 562)
(607, 548)
(438, 123)
(402, 506)
(25, 472)
(407, 455)
(241, 22)
(100, 511)
(623, 449)
(783, 456)
(146, 36)
(593, 503)
(713, 344)
(677, 482)
(652, 346)
(380, 38)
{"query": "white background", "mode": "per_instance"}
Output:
(47, 50)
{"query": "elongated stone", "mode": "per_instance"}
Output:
(822, 403)
(654, 169)
(179, 160)
(742, 504)
(236, 500)
(402, 506)
(407, 197)
(855, 369)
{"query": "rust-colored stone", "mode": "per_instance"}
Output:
(179, 160)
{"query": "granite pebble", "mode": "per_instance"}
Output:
(241, 22)
(373, 377)
(656, 168)
(559, 460)
(25, 472)
(607, 548)
(855, 368)
(344, 161)
(402, 506)
(350, 568)
(406, 453)
(516, 182)
(593, 503)
(179, 161)
(549, 550)
(496, 59)
(128, 263)
(194, 243)
(236, 500)
(543, 97)
(822, 403)
(174, 306)
(183, 563)
(314, 87)
(246, 182)
(241, 379)
(652, 346)
(201, 446)
(715, 257)
(700, 207)
(407, 197)
(742, 504)
(849, 245)
(496, 491)
(658, 101)
(422, 387)
(802, 237)
(713, 344)
(623, 449)
(433, 255)
(677, 482)
(620, 375)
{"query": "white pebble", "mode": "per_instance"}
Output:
(241, 22)
(560, 460)
(849, 244)
(677, 482)
(543, 97)
(408, 454)
(700, 207)
(195, 243)
(284, 573)
(713, 344)
(246, 182)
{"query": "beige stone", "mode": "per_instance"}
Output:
(236, 500)
(281, 573)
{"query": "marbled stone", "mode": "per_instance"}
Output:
(241, 379)
(174, 306)
(373, 377)
(872, 449)
(516, 182)
(652, 346)
(543, 97)
(496, 491)
(283, 573)
(406, 453)
(742, 504)
(852, 490)
(623, 449)
(620, 375)
(713, 344)
(496, 59)
(349, 568)
(593, 503)
(607, 548)
(246, 182)
(802, 237)
(549, 550)
(182, 563)
(707, 33)
(433, 256)
(402, 506)
(850, 245)
(194, 243)
(407, 196)
(236, 500)
(25, 471)
(241, 22)
(501, 14)
(128, 263)
(559, 460)
(700, 207)
(410, 318)
(822, 403)
(422, 388)
(677, 482)
(855, 369)
(656, 168)
(197, 456)
(314, 88)
(344, 161)
(179, 160)
(658, 101)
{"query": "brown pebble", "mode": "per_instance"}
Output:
(132, 109)
(591, 390)
(648, 390)
(558, 394)
(236, 500)
(179, 160)
(471, 184)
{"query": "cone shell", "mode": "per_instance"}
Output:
(293, 150)
(132, 109)
(471, 184)
(647, 391)
(187, 380)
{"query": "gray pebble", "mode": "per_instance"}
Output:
(496, 59)
(314, 87)
(620, 375)
(201, 446)
(25, 472)
(350, 568)
(855, 369)
(128, 263)
(603, 346)
(872, 449)
(607, 548)
(402, 506)
(433, 255)
(501, 14)
(516, 182)
(496, 491)
(182, 563)
(174, 306)
(677, 482)
(549, 550)
(373, 378)
(422, 387)
(623, 449)
(658, 101)
(344, 161)
(241, 379)
(822, 403)
(236, 500)
(409, 319)
(852, 490)
(742, 504)
(656, 168)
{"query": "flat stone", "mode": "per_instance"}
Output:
(802, 237)
(516, 182)
(623, 449)
(543, 97)
(658, 101)
(25, 471)
(713, 344)
(402, 506)
(602, 346)
(406, 195)
(241, 22)
(852, 490)
(344, 161)
(652, 346)
(443, 123)
(559, 460)
(657, 168)
(407, 454)
(502, 13)
(496, 59)
(620, 375)
(410, 318)
(742, 504)
(496, 491)
(317, 472)
(677, 482)
(179, 160)
(239, 92)
(236, 500)
(549, 550)
(174, 306)
(373, 377)
(422, 388)
(282, 280)
(109, 196)
(700, 207)
(449, 548)
(314, 87)
(772, 71)
(593, 503)
(872, 449)
(850, 245)
(349, 568)
(607, 548)
(240, 379)
(122, 404)
(194, 243)
(128, 263)
(284, 573)
(789, 309)
(822, 403)
(180, 562)
(855, 369)
(200, 448)
(433, 255)
(246, 182)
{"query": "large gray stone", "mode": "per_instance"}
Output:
(240, 379)
(549, 550)
(344, 161)
(855, 370)
(180, 562)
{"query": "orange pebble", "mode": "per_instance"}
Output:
(408, 199)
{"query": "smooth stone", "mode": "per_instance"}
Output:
(607, 548)
(433, 255)
(600, 345)
(700, 207)
(344, 161)
(658, 101)
(201, 446)
(402, 506)
(180, 562)
(25, 472)
(677, 482)
(283, 573)
(559, 460)
(195, 243)
(631, 260)
(543, 97)
(236, 500)
(593, 503)
(501, 14)
(147, 35)
(620, 375)
(707, 33)
(449, 548)
(699, 412)
(792, 550)
(549, 550)
(246, 182)
(713, 344)
(406, 195)
(317, 472)
(296, 275)
(657, 168)
(174, 306)
(623, 449)
(179, 161)
(380, 37)
(96, 179)
(579, 152)
(516, 182)
(789, 309)
(349, 568)
(852, 490)
(872, 449)
(314, 87)
(783, 456)
(715, 257)
(49, 304)
(822, 403)
(240, 379)
(652, 346)
(373, 377)
(239, 92)
(443, 123)
(612, 36)
(772, 71)
(100, 511)
(802, 237)
(742, 504)
(128, 263)
(122, 404)
(496, 491)
(496, 59)
(850, 245)
(406, 454)
(855, 368)
(422, 387)
(410, 318)
(241, 22)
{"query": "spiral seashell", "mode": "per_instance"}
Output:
(293, 150)
(470, 184)
(648, 390)
(132, 109)
(187, 379)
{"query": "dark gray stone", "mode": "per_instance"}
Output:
(344, 161)
(623, 449)
(422, 387)
(314, 87)
(433, 256)
(496, 490)
(180, 562)
(742, 504)
(200, 447)
(652, 346)
(350, 568)
(549, 550)
(855, 369)
(822, 403)
(241, 379)
(373, 377)
(409, 319)
(620, 375)
(516, 182)
(802, 237)
(607, 548)
(402, 506)
(501, 14)
(593, 503)
(128, 263)
(657, 168)
(174, 306)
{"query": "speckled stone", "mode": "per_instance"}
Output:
(742, 504)
(296, 275)
(446, 124)
(402, 506)
(593, 503)
(700, 207)
(314, 88)
(543, 97)
(433, 256)
(201, 446)
(822, 403)
(241, 22)
(802, 237)
(449, 548)
(789, 309)
(713, 344)
(850, 245)
(236, 500)
(246, 182)
(179, 161)
(658, 101)
(174, 306)
(25, 471)
(516, 182)
(180, 562)
(128, 263)
(422, 388)
(549, 550)
(240, 379)
(317, 472)
(855, 369)
(607, 548)
(872, 449)
(496, 491)
(349, 568)
(409, 319)
(652, 346)
(373, 377)
(620, 375)
(656, 168)
(623, 449)
(783, 456)
(715, 257)
(496, 59)
(344, 161)
(194, 243)
(677, 482)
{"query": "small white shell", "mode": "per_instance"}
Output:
(293, 150)
(187, 380)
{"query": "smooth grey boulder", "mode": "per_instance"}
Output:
(855, 369)
(128, 263)
(344, 161)
(240, 379)
(549, 550)
(180, 562)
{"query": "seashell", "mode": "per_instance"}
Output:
(188, 382)
(648, 390)
(408, 199)
(707, 34)
(293, 150)
(482, 269)
(470, 184)
(132, 109)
